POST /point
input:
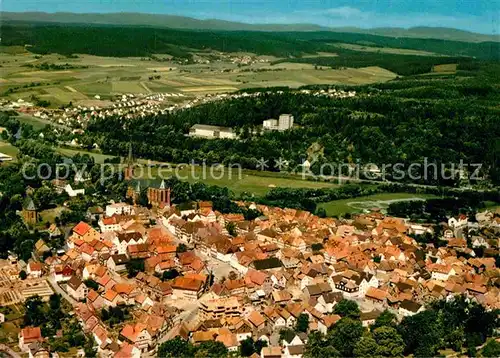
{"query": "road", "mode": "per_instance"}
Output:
(59, 290)
(9, 352)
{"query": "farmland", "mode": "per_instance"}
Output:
(106, 77)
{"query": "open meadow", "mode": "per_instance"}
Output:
(357, 205)
(250, 181)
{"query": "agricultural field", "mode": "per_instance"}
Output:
(397, 51)
(24, 75)
(446, 68)
(357, 205)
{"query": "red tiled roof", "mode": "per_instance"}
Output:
(190, 284)
(31, 334)
(81, 228)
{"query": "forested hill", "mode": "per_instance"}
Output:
(119, 41)
(189, 23)
(403, 121)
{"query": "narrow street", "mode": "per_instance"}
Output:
(55, 286)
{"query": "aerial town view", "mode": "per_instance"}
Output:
(264, 179)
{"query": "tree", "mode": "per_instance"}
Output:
(390, 343)
(386, 318)
(366, 347)
(491, 349)
(345, 334)
(176, 347)
(44, 197)
(317, 247)
(134, 267)
(211, 349)
(231, 229)
(23, 275)
(421, 333)
(302, 324)
(34, 311)
(247, 347)
(321, 212)
(319, 346)
(347, 308)
(169, 274)
(181, 248)
(89, 349)
(55, 301)
(91, 284)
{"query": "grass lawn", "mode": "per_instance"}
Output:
(98, 157)
(247, 181)
(49, 215)
(356, 205)
(35, 122)
(9, 149)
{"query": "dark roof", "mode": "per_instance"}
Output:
(120, 259)
(331, 297)
(74, 282)
(410, 305)
(366, 316)
(127, 236)
(314, 290)
(266, 264)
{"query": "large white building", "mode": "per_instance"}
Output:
(211, 132)
(284, 123)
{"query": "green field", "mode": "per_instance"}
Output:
(98, 157)
(9, 149)
(37, 123)
(357, 205)
(249, 181)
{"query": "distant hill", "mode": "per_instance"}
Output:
(182, 22)
(153, 20)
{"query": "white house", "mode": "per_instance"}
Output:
(117, 263)
(34, 269)
(458, 222)
(76, 288)
(72, 192)
(119, 209)
(109, 224)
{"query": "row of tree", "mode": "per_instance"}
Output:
(458, 324)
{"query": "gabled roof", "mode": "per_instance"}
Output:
(75, 282)
(81, 228)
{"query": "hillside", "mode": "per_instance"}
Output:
(126, 41)
(182, 22)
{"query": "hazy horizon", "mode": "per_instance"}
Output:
(482, 17)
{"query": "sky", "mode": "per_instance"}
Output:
(481, 16)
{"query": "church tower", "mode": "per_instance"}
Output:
(29, 212)
(159, 196)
